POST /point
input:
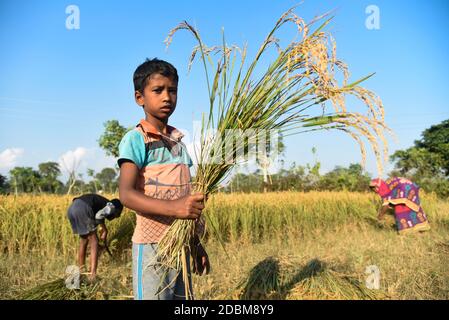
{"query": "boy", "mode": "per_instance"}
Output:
(85, 214)
(155, 182)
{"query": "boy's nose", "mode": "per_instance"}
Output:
(166, 96)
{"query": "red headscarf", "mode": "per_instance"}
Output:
(383, 189)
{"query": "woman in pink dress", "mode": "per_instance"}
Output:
(403, 196)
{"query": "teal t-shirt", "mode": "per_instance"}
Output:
(132, 148)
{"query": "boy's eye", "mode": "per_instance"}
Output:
(159, 90)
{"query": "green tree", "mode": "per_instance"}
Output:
(110, 139)
(24, 179)
(418, 163)
(94, 181)
(241, 182)
(427, 162)
(4, 186)
(294, 178)
(107, 179)
(353, 178)
(49, 172)
(436, 141)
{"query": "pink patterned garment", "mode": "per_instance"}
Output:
(403, 194)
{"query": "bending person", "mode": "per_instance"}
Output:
(403, 196)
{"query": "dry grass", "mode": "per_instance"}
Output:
(411, 268)
(335, 228)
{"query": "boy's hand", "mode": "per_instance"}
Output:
(103, 234)
(201, 264)
(188, 207)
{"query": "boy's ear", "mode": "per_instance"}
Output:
(138, 96)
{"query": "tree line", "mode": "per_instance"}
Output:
(426, 163)
(46, 179)
(303, 178)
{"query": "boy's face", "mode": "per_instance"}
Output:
(159, 97)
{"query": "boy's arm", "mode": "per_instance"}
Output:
(188, 207)
(103, 232)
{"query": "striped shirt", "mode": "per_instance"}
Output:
(164, 173)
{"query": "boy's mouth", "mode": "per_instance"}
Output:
(166, 109)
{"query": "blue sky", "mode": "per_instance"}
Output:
(58, 86)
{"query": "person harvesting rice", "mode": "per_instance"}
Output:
(155, 182)
(86, 213)
(402, 195)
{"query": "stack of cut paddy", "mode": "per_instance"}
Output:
(291, 94)
(114, 287)
(57, 290)
(279, 278)
(267, 280)
(320, 281)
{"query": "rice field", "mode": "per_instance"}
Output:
(286, 245)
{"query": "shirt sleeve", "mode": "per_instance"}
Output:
(132, 148)
(189, 161)
(187, 158)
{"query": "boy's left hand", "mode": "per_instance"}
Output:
(201, 264)
(103, 234)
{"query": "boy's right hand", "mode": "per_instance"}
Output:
(188, 207)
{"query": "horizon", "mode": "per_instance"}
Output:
(58, 85)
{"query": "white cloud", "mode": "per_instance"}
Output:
(82, 159)
(97, 160)
(8, 158)
(71, 160)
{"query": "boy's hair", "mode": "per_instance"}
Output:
(117, 204)
(118, 210)
(153, 66)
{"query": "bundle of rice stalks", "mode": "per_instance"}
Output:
(113, 287)
(57, 290)
(387, 223)
(249, 107)
(281, 278)
(320, 282)
(266, 280)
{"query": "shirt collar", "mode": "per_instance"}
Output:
(150, 129)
